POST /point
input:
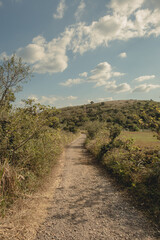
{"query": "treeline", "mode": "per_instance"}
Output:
(131, 115)
(31, 138)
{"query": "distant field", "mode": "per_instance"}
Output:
(142, 139)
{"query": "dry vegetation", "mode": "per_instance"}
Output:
(26, 214)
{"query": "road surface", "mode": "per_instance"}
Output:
(87, 205)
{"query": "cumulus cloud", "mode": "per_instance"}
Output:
(98, 33)
(84, 74)
(145, 88)
(60, 10)
(80, 10)
(102, 73)
(55, 58)
(46, 57)
(99, 75)
(101, 32)
(125, 6)
(113, 87)
(123, 55)
(128, 20)
(31, 53)
(70, 82)
(144, 78)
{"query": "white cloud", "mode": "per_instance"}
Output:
(147, 22)
(132, 22)
(113, 87)
(31, 53)
(144, 78)
(48, 100)
(125, 6)
(72, 98)
(84, 74)
(60, 10)
(80, 10)
(123, 25)
(51, 100)
(46, 57)
(1, 3)
(55, 58)
(39, 40)
(104, 99)
(71, 82)
(145, 88)
(34, 51)
(99, 75)
(117, 74)
(43, 99)
(123, 55)
(33, 97)
(102, 73)
(101, 32)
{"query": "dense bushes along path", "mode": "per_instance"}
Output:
(86, 205)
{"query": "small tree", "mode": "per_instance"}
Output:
(12, 73)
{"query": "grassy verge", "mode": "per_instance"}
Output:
(30, 165)
(137, 168)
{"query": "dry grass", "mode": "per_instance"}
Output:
(26, 215)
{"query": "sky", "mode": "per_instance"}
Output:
(84, 50)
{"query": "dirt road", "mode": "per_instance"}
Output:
(87, 205)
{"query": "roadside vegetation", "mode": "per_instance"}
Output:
(124, 136)
(31, 138)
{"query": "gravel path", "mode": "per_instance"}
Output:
(87, 205)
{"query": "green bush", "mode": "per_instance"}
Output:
(137, 169)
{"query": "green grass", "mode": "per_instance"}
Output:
(142, 139)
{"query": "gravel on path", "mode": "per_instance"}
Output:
(88, 206)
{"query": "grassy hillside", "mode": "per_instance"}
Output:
(131, 115)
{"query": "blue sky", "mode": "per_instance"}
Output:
(83, 50)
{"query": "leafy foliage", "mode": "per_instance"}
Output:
(138, 169)
(131, 115)
(30, 136)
